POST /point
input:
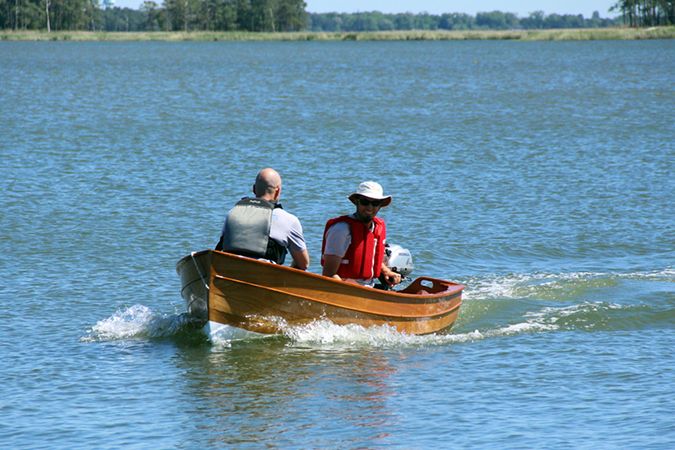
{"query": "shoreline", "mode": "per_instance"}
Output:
(586, 34)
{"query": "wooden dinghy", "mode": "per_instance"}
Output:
(227, 289)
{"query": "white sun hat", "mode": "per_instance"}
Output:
(371, 190)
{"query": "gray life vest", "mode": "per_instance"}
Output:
(247, 231)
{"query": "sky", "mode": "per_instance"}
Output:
(521, 7)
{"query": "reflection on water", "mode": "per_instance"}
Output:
(273, 391)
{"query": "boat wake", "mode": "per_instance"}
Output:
(589, 301)
(509, 305)
(553, 286)
(494, 306)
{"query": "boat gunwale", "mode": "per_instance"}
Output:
(453, 288)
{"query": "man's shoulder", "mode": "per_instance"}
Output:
(339, 226)
(344, 219)
(285, 215)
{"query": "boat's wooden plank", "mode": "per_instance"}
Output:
(251, 307)
(374, 307)
(254, 295)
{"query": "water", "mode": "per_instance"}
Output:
(538, 174)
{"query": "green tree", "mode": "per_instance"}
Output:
(404, 21)
(496, 20)
(152, 11)
(638, 13)
(177, 14)
(263, 15)
(49, 27)
(534, 21)
(222, 15)
(291, 15)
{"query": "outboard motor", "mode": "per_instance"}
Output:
(399, 260)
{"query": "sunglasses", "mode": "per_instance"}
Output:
(367, 202)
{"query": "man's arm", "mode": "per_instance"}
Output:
(300, 259)
(338, 238)
(331, 264)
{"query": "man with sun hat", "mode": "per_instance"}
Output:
(353, 245)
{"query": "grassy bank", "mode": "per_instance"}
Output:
(416, 35)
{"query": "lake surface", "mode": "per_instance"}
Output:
(538, 174)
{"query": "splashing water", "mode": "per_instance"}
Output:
(138, 321)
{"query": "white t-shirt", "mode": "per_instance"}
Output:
(286, 230)
(338, 239)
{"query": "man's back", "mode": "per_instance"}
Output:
(260, 228)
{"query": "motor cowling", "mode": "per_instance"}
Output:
(398, 259)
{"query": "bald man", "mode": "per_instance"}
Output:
(258, 227)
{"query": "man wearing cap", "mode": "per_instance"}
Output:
(260, 228)
(353, 245)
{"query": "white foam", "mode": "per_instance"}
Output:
(224, 335)
(137, 321)
(549, 285)
(521, 328)
(328, 334)
(667, 274)
(548, 318)
(525, 285)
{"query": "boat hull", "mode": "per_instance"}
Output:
(265, 298)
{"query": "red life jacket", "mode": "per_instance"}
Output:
(365, 254)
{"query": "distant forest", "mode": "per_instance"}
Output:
(290, 15)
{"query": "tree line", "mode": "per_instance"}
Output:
(48, 14)
(290, 15)
(494, 20)
(646, 13)
(172, 15)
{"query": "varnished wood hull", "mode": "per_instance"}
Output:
(264, 298)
